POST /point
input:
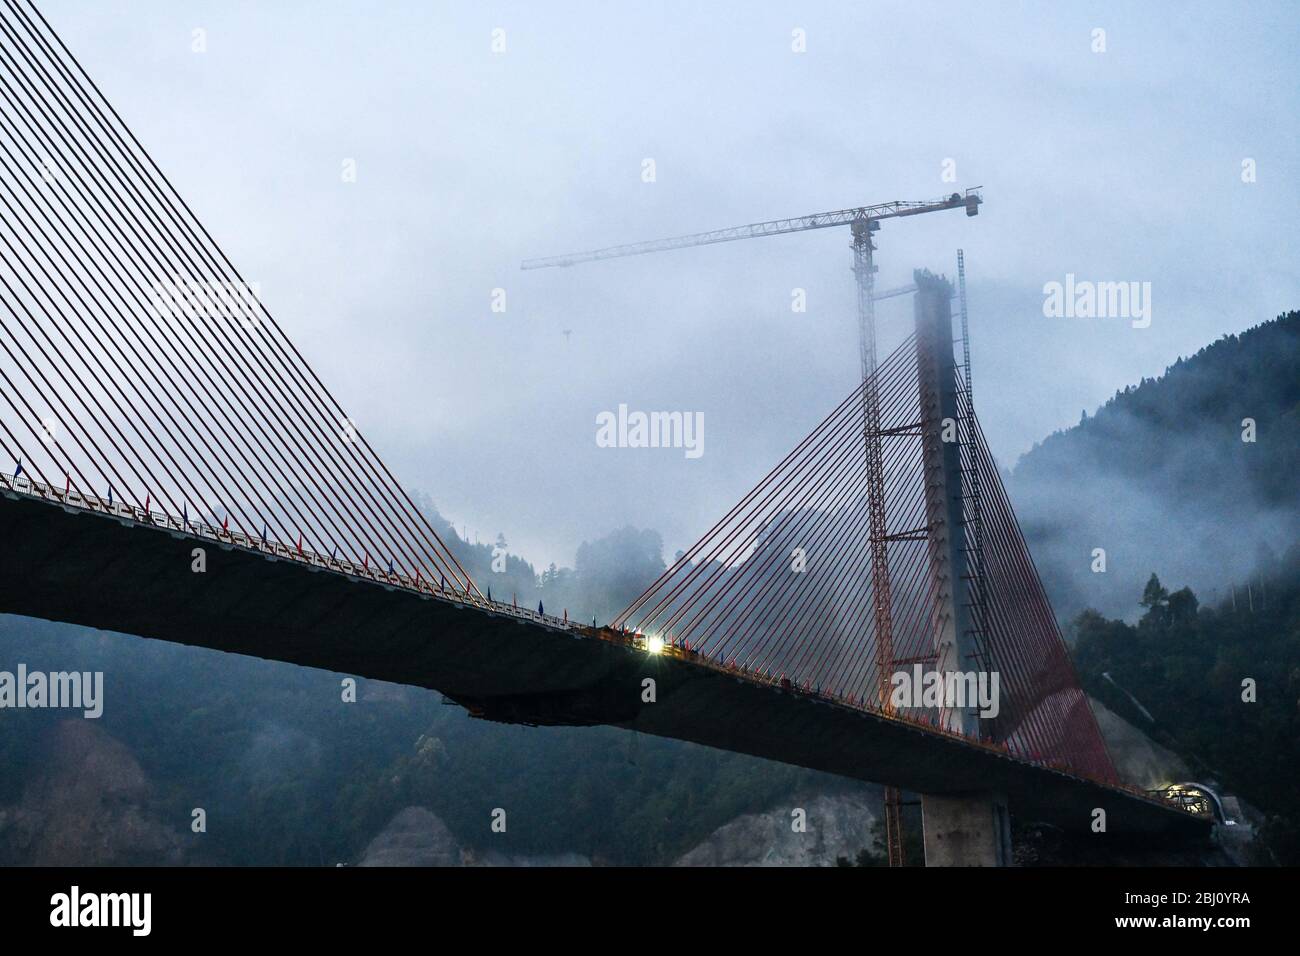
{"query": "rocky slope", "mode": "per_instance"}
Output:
(416, 837)
(91, 805)
(837, 825)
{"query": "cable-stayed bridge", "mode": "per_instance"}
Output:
(173, 468)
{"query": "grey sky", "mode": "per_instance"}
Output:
(1115, 166)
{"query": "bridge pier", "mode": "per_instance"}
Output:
(966, 829)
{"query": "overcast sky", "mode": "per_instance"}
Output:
(1122, 165)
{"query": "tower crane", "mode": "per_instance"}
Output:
(862, 222)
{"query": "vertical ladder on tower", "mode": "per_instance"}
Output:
(973, 502)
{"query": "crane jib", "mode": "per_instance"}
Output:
(970, 200)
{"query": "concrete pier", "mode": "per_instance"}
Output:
(966, 829)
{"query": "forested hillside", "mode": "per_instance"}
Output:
(1162, 480)
(1219, 685)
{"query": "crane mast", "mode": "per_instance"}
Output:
(864, 273)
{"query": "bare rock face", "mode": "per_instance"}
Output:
(416, 837)
(90, 807)
(838, 825)
(1140, 760)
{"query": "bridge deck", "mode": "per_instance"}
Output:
(111, 572)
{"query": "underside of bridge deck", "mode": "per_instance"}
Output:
(114, 574)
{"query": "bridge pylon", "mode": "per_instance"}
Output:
(967, 829)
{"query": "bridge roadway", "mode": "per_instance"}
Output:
(83, 561)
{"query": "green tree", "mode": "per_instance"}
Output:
(1182, 606)
(1155, 598)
